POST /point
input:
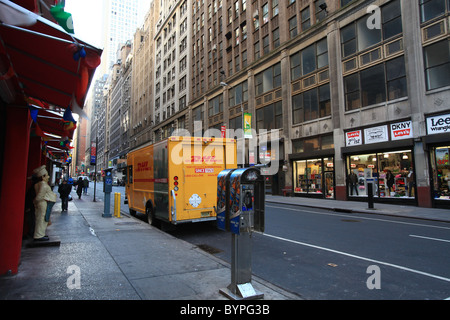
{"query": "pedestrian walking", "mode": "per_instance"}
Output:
(85, 185)
(79, 185)
(64, 192)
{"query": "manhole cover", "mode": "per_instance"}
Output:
(209, 249)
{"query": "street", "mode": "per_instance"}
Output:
(319, 254)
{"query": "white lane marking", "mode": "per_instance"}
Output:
(428, 238)
(359, 257)
(362, 218)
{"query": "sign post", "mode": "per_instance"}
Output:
(94, 162)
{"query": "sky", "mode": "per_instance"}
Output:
(87, 20)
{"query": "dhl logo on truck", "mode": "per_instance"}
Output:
(205, 159)
(143, 166)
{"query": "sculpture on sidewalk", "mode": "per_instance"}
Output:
(43, 203)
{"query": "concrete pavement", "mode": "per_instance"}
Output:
(118, 258)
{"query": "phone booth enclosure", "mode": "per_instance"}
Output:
(244, 210)
(223, 194)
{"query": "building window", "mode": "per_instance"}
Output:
(321, 14)
(266, 45)
(391, 172)
(306, 19)
(268, 80)
(440, 165)
(293, 27)
(437, 64)
(373, 85)
(311, 104)
(309, 59)
(275, 9)
(215, 106)
(276, 38)
(238, 94)
(270, 117)
(256, 50)
(430, 9)
(357, 37)
(265, 13)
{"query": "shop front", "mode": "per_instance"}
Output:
(437, 144)
(383, 156)
(314, 177)
(313, 167)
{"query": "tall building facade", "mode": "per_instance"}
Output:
(357, 90)
(141, 110)
(121, 18)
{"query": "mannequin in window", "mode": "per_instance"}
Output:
(352, 181)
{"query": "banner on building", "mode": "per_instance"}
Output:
(248, 125)
(93, 153)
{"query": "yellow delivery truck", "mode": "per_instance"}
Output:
(175, 180)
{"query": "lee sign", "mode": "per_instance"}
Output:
(401, 130)
(438, 124)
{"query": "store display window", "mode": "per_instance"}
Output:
(392, 174)
(314, 177)
(441, 172)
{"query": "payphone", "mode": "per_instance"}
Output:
(107, 189)
(240, 210)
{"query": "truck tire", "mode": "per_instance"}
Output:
(150, 215)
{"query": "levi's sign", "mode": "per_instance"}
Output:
(438, 124)
(401, 130)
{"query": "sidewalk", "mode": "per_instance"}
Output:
(116, 259)
(362, 207)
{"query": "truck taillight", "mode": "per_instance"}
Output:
(175, 183)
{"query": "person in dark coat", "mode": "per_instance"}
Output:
(352, 182)
(79, 185)
(64, 191)
(389, 180)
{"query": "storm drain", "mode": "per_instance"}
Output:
(209, 249)
(349, 220)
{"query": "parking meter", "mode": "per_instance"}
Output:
(107, 189)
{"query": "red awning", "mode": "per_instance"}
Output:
(43, 65)
(41, 56)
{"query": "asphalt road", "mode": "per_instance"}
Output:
(320, 254)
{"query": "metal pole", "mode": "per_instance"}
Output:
(370, 194)
(95, 173)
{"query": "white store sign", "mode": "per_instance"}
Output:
(376, 134)
(353, 138)
(438, 124)
(401, 130)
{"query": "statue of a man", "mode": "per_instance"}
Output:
(43, 203)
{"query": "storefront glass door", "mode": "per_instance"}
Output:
(441, 172)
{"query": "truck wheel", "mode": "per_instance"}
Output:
(150, 215)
